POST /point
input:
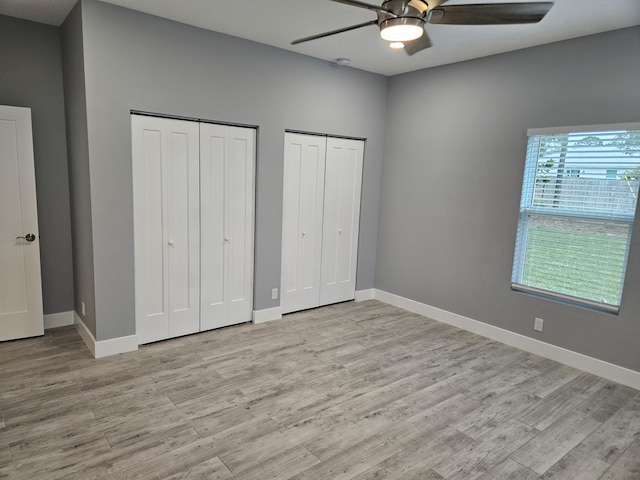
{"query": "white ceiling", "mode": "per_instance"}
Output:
(278, 22)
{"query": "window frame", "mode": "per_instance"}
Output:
(527, 209)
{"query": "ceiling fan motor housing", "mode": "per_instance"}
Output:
(403, 8)
(401, 12)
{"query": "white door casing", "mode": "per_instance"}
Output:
(20, 277)
(303, 192)
(341, 219)
(166, 227)
(227, 166)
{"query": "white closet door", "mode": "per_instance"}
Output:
(166, 224)
(343, 181)
(304, 164)
(227, 158)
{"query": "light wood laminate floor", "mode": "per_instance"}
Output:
(351, 391)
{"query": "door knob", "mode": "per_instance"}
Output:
(170, 242)
(304, 233)
(29, 237)
(226, 239)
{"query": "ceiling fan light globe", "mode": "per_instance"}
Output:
(401, 29)
(396, 45)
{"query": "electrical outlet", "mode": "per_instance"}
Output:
(83, 309)
(537, 324)
(274, 294)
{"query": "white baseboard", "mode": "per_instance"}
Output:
(85, 334)
(573, 359)
(266, 315)
(105, 348)
(363, 295)
(114, 346)
(55, 320)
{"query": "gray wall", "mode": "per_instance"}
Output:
(453, 164)
(80, 185)
(136, 61)
(31, 76)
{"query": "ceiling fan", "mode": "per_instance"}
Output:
(402, 22)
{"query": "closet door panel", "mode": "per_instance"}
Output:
(291, 220)
(240, 223)
(183, 228)
(214, 148)
(152, 312)
(154, 227)
(166, 213)
(227, 224)
(343, 180)
(332, 221)
(302, 221)
(312, 180)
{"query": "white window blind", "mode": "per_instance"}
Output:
(578, 204)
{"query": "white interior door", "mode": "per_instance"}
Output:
(227, 164)
(166, 224)
(303, 191)
(341, 219)
(20, 283)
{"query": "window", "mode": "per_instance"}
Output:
(574, 230)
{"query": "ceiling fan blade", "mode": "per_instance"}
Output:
(334, 32)
(368, 6)
(417, 45)
(490, 13)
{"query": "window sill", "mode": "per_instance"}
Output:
(565, 299)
